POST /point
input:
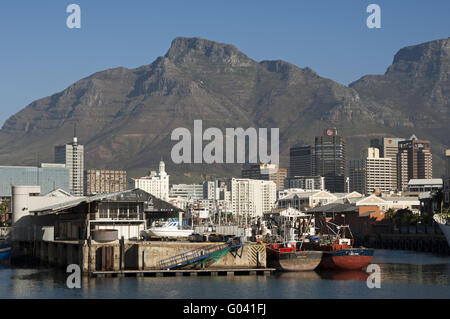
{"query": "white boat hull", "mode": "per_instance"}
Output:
(445, 227)
(169, 232)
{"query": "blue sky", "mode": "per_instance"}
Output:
(40, 56)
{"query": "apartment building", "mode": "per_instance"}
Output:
(372, 173)
(251, 198)
(100, 181)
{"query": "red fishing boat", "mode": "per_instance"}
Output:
(344, 256)
(338, 251)
(287, 257)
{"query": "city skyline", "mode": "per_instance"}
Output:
(297, 163)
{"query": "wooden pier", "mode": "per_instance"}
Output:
(184, 272)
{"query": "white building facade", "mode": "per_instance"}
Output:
(156, 183)
(72, 155)
(308, 183)
(187, 191)
(371, 173)
(250, 197)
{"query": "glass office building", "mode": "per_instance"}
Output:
(48, 176)
(329, 160)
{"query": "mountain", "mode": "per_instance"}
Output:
(125, 117)
(418, 82)
(416, 86)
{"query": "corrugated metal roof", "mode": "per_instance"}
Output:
(431, 181)
(402, 199)
(279, 210)
(89, 199)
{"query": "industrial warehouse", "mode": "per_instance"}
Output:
(103, 232)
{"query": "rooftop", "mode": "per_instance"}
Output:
(134, 195)
(334, 208)
(430, 181)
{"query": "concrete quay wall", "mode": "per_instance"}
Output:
(149, 254)
(127, 255)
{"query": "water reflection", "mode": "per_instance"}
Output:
(434, 274)
(351, 275)
(300, 275)
(403, 275)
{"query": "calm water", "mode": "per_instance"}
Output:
(403, 275)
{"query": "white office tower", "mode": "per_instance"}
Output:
(211, 190)
(372, 173)
(72, 155)
(252, 198)
(156, 183)
(187, 191)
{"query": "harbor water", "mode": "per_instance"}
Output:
(404, 274)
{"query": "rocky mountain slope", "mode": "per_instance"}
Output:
(125, 117)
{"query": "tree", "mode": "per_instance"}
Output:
(390, 214)
(403, 216)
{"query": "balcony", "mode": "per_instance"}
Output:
(117, 216)
(118, 212)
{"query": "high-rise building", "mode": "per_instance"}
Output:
(308, 183)
(72, 155)
(49, 177)
(218, 195)
(155, 183)
(372, 173)
(388, 147)
(357, 176)
(252, 198)
(100, 181)
(414, 161)
(211, 190)
(377, 143)
(330, 160)
(268, 172)
(187, 191)
(301, 161)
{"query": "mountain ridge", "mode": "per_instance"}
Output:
(125, 116)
